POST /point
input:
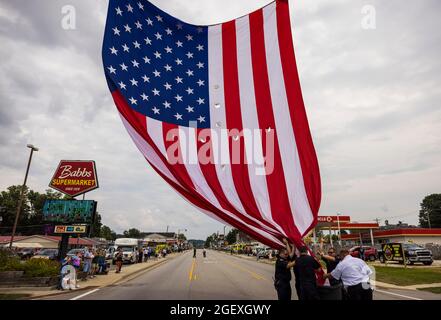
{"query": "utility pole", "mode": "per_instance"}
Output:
(20, 201)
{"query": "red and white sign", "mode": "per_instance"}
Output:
(333, 219)
(75, 177)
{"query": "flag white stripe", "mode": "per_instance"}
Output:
(148, 151)
(250, 121)
(220, 144)
(298, 199)
(154, 129)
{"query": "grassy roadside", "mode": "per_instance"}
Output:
(407, 277)
(433, 290)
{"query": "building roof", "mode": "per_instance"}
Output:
(161, 235)
(72, 241)
(414, 232)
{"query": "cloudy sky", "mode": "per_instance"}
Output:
(372, 98)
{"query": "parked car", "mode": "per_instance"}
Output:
(26, 253)
(370, 253)
(413, 253)
(74, 252)
(50, 254)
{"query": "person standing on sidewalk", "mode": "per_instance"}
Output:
(305, 269)
(355, 275)
(282, 276)
(119, 260)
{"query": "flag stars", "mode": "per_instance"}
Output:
(114, 51)
(179, 43)
(133, 101)
(156, 92)
(178, 116)
(200, 101)
(149, 21)
(189, 55)
(190, 109)
(146, 60)
(168, 68)
(168, 49)
(119, 11)
(144, 97)
(135, 64)
(137, 45)
(200, 29)
(128, 29)
(169, 31)
(145, 78)
(155, 110)
(178, 61)
(189, 72)
(125, 47)
(201, 119)
(201, 83)
(116, 31)
(158, 36)
(112, 69)
(157, 73)
(123, 67)
(189, 90)
(178, 98)
(200, 65)
(138, 25)
(159, 18)
(178, 79)
(167, 105)
(148, 41)
(122, 85)
(179, 26)
(189, 37)
(157, 55)
(167, 86)
(129, 8)
(141, 7)
(134, 82)
(200, 47)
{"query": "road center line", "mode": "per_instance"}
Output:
(398, 295)
(84, 294)
(190, 275)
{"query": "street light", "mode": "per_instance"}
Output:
(33, 148)
(339, 231)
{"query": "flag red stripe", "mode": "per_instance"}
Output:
(280, 206)
(307, 155)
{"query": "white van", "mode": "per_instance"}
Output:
(129, 247)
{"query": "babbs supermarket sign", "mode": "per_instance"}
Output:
(75, 177)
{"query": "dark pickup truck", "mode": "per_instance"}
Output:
(412, 252)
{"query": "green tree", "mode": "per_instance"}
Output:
(182, 237)
(107, 233)
(231, 236)
(96, 226)
(208, 241)
(430, 212)
(132, 233)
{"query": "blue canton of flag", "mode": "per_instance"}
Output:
(158, 63)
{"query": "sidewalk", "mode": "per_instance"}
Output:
(127, 272)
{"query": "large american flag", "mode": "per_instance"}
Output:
(218, 113)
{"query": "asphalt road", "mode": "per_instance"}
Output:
(219, 276)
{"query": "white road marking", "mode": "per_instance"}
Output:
(84, 294)
(398, 295)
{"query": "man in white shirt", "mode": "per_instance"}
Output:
(354, 273)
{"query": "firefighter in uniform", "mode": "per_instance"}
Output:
(285, 261)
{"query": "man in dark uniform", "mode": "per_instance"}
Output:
(194, 253)
(282, 276)
(305, 268)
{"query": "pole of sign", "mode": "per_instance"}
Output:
(404, 256)
(21, 195)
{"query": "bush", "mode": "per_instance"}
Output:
(41, 268)
(31, 268)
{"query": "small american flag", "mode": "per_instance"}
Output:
(218, 113)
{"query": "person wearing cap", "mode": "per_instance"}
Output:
(331, 260)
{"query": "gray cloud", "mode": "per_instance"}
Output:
(372, 97)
